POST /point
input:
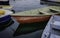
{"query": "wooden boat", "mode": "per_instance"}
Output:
(37, 15)
(33, 20)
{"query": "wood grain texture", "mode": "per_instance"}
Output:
(31, 19)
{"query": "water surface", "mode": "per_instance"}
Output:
(22, 5)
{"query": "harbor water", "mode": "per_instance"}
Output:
(23, 5)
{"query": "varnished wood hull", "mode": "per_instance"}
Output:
(31, 19)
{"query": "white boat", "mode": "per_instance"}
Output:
(52, 29)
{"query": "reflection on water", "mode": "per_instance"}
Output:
(22, 5)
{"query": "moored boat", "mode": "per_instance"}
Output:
(37, 15)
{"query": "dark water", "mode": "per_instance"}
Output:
(22, 5)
